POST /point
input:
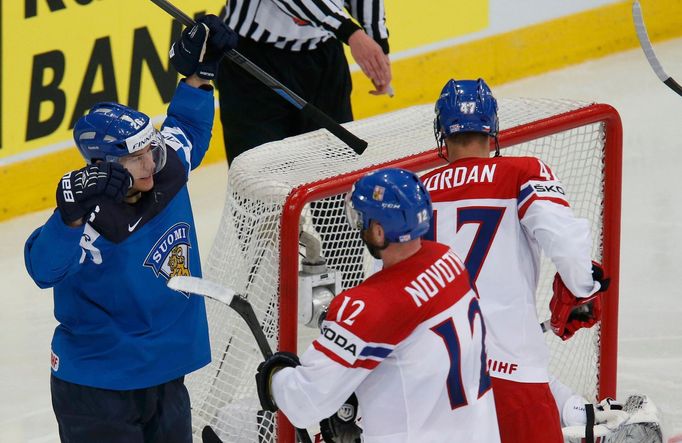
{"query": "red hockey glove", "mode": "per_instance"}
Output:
(569, 313)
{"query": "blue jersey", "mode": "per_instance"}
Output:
(120, 327)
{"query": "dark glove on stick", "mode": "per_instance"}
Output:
(80, 191)
(266, 369)
(201, 47)
(598, 276)
(341, 427)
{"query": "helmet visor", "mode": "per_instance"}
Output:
(138, 161)
(158, 152)
(353, 216)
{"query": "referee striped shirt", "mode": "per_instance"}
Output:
(297, 25)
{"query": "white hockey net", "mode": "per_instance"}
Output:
(270, 195)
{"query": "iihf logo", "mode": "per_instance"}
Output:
(170, 255)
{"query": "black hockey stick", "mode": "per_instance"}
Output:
(644, 41)
(208, 435)
(198, 286)
(323, 120)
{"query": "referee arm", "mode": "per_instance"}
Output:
(369, 46)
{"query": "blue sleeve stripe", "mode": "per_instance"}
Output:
(375, 351)
(525, 192)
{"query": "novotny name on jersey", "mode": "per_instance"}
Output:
(170, 255)
(429, 283)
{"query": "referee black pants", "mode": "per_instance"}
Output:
(252, 114)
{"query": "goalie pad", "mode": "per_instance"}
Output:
(635, 421)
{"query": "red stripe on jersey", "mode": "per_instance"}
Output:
(366, 364)
(527, 203)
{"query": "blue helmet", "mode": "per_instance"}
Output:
(393, 197)
(110, 131)
(465, 106)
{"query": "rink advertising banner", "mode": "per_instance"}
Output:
(61, 56)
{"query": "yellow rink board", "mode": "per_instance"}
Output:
(29, 185)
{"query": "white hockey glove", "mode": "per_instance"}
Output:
(636, 421)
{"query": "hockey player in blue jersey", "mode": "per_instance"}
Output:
(123, 226)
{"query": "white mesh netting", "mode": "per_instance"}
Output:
(246, 253)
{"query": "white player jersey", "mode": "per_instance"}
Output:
(500, 213)
(409, 342)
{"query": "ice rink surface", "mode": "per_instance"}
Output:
(650, 318)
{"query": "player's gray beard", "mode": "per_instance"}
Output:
(374, 250)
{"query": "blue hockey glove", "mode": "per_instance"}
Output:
(266, 369)
(201, 47)
(79, 191)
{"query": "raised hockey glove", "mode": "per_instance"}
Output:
(570, 313)
(341, 427)
(201, 47)
(79, 191)
(264, 374)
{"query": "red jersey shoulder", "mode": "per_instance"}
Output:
(538, 182)
(391, 303)
(531, 168)
(472, 178)
(362, 327)
(373, 311)
(364, 324)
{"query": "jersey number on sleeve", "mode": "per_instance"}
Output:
(488, 219)
(448, 333)
(357, 306)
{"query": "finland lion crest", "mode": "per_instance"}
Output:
(170, 255)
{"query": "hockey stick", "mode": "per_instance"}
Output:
(323, 120)
(227, 296)
(208, 435)
(644, 41)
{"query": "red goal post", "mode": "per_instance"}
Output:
(590, 138)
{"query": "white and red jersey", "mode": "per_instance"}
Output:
(499, 213)
(409, 342)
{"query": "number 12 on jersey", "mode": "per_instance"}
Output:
(447, 331)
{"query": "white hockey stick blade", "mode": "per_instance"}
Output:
(645, 43)
(199, 286)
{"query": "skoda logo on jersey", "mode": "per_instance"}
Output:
(170, 255)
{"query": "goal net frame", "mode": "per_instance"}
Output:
(596, 113)
(296, 185)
